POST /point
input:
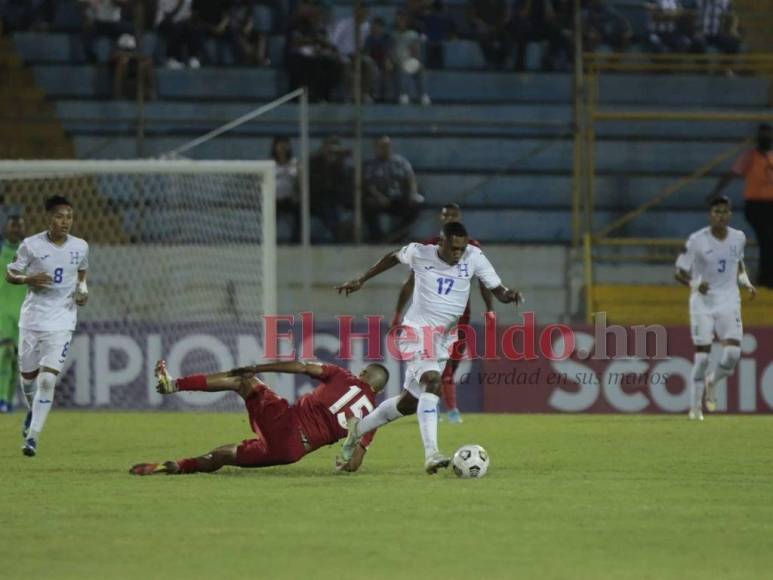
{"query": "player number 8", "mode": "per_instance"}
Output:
(58, 275)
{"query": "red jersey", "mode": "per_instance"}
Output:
(465, 317)
(323, 412)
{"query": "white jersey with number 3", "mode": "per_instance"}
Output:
(52, 307)
(441, 290)
(715, 262)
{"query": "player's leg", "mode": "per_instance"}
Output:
(702, 331)
(207, 463)
(427, 414)
(388, 411)
(449, 384)
(54, 348)
(28, 362)
(730, 331)
(211, 383)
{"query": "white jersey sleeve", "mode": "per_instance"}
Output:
(686, 259)
(407, 254)
(22, 259)
(485, 272)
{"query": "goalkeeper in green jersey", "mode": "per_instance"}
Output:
(11, 298)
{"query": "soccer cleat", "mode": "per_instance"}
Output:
(436, 462)
(30, 448)
(352, 439)
(25, 429)
(454, 416)
(167, 467)
(165, 385)
(695, 415)
(711, 393)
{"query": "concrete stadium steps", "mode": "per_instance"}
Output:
(28, 124)
(523, 120)
(442, 153)
(668, 305)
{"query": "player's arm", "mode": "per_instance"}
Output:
(487, 295)
(405, 293)
(488, 277)
(15, 272)
(684, 265)
(389, 261)
(744, 282)
(507, 295)
(355, 462)
(81, 290)
(312, 369)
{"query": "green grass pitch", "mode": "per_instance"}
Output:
(566, 497)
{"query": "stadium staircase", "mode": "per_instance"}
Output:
(29, 126)
(629, 304)
(30, 129)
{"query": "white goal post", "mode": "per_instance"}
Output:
(182, 265)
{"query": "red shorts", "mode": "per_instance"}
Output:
(278, 439)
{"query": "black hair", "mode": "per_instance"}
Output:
(452, 229)
(452, 206)
(281, 139)
(56, 200)
(383, 369)
(719, 200)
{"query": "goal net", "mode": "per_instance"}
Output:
(182, 266)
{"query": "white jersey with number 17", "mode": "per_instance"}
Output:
(441, 290)
(715, 262)
(52, 307)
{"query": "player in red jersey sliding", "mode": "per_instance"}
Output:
(284, 433)
(450, 213)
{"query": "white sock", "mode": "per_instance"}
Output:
(730, 356)
(383, 414)
(28, 390)
(427, 414)
(699, 365)
(44, 398)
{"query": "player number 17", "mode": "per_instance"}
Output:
(358, 407)
(444, 285)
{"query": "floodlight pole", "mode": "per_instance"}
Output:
(305, 196)
(357, 153)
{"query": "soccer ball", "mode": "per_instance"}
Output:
(471, 461)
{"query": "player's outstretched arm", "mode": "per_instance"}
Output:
(81, 291)
(296, 367)
(506, 295)
(384, 264)
(405, 293)
(487, 295)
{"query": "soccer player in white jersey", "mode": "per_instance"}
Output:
(711, 264)
(442, 274)
(53, 265)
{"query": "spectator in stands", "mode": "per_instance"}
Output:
(542, 21)
(129, 68)
(671, 27)
(489, 18)
(342, 38)
(249, 41)
(438, 27)
(603, 24)
(212, 19)
(406, 58)
(310, 59)
(287, 184)
(415, 11)
(174, 25)
(718, 25)
(389, 188)
(103, 18)
(330, 184)
(27, 14)
(756, 167)
(378, 46)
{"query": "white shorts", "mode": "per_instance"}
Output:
(725, 322)
(41, 348)
(420, 360)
